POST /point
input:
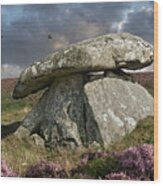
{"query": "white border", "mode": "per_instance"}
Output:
(53, 182)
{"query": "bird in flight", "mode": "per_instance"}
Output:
(50, 36)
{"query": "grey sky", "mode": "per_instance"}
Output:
(25, 28)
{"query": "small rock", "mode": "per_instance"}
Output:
(37, 140)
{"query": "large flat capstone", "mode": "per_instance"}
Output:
(112, 51)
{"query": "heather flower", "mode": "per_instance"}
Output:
(137, 162)
(46, 170)
(147, 152)
(88, 156)
(134, 163)
(6, 171)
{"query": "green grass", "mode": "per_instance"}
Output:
(100, 167)
(14, 110)
(9, 106)
(19, 154)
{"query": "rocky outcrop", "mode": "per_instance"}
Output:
(89, 99)
(112, 51)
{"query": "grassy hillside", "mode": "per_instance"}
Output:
(15, 110)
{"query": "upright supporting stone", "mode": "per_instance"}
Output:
(117, 105)
(58, 117)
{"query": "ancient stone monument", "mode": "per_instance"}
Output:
(89, 99)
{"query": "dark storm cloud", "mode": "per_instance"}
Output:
(25, 28)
